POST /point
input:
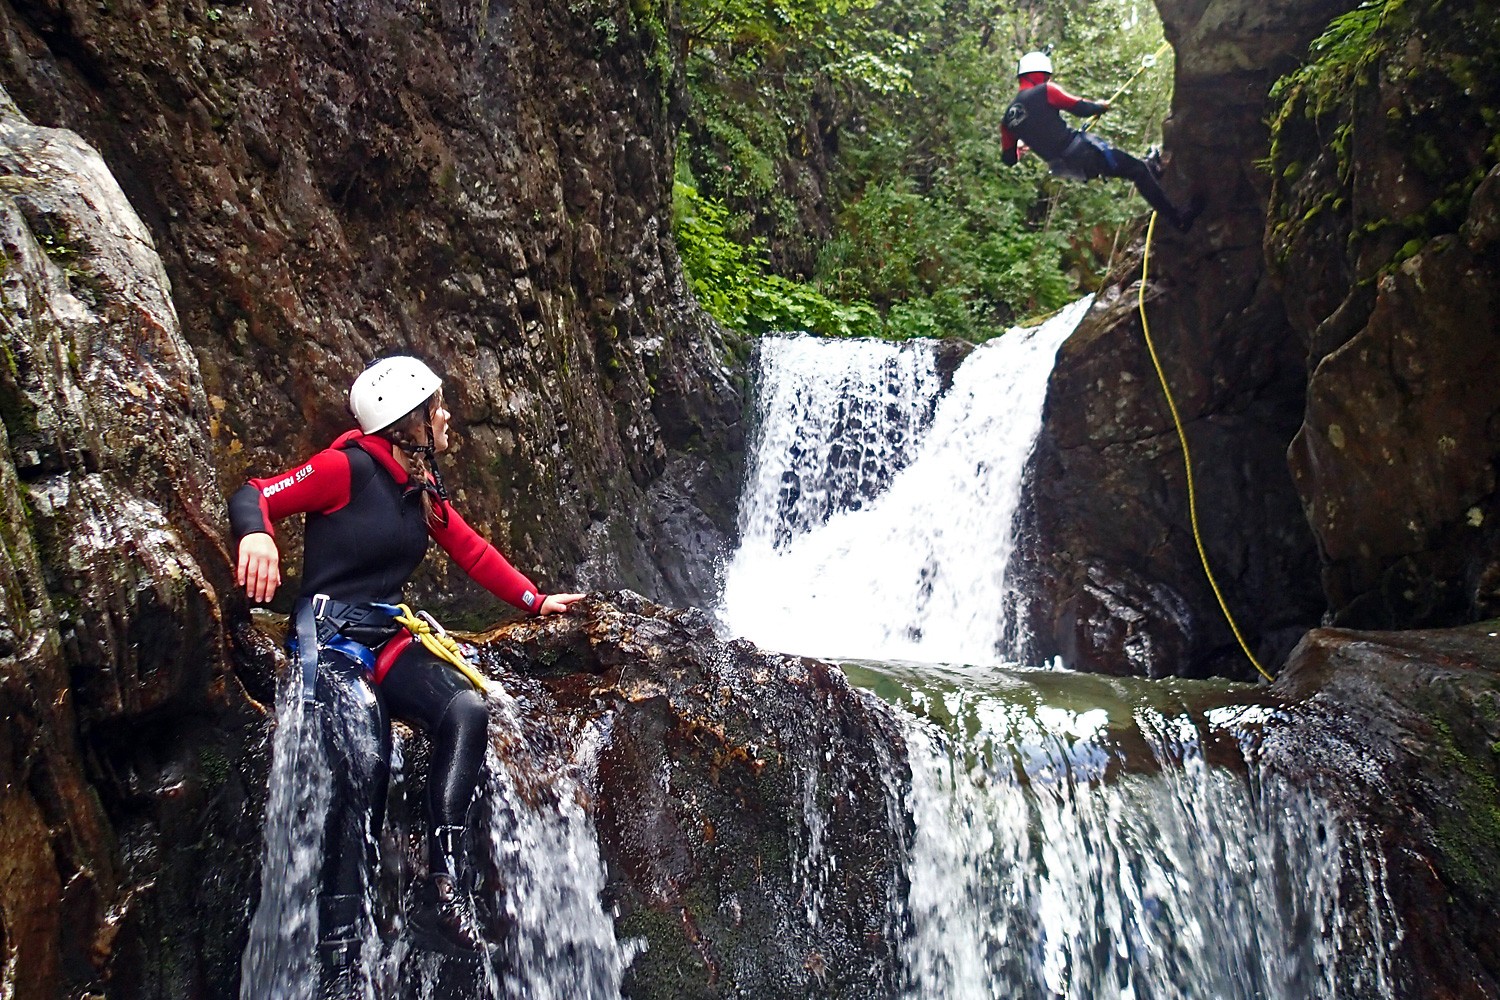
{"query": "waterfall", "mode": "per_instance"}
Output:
(1086, 853)
(876, 519)
(562, 945)
(279, 962)
(1069, 837)
(532, 841)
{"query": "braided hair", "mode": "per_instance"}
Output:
(425, 477)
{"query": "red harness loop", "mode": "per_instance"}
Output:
(390, 652)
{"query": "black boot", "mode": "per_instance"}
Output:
(1184, 220)
(445, 920)
(339, 943)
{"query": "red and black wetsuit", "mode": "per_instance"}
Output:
(1034, 118)
(366, 534)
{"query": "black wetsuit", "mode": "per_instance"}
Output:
(1034, 118)
(366, 534)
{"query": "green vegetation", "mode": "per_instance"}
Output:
(731, 281)
(1414, 76)
(1468, 833)
(842, 167)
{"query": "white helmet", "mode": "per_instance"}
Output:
(388, 390)
(1034, 62)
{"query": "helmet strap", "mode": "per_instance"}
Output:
(427, 451)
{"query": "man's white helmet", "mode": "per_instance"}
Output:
(390, 389)
(1034, 62)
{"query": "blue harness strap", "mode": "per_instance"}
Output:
(306, 649)
(318, 615)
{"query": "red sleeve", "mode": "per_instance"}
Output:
(1007, 143)
(1061, 99)
(484, 563)
(320, 484)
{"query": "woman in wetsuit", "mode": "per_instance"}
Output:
(373, 500)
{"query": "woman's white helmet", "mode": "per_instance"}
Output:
(388, 390)
(1034, 62)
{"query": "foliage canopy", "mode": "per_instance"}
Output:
(851, 150)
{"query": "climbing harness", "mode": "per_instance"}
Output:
(1187, 458)
(1086, 157)
(426, 630)
(1146, 63)
(320, 623)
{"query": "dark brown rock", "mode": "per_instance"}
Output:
(1401, 732)
(129, 755)
(731, 782)
(1384, 242)
(486, 185)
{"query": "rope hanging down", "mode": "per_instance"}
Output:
(1187, 458)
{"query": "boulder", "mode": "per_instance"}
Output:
(1400, 732)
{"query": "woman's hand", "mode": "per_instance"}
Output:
(556, 604)
(260, 566)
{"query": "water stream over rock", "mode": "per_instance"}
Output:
(667, 809)
(870, 530)
(1071, 837)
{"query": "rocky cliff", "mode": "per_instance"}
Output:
(1351, 328)
(481, 184)
(1385, 236)
(213, 215)
(130, 760)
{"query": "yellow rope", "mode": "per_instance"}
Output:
(440, 644)
(1187, 459)
(1146, 64)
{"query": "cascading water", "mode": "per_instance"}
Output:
(854, 545)
(1085, 853)
(540, 885)
(1069, 837)
(279, 959)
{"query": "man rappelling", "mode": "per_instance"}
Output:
(1033, 118)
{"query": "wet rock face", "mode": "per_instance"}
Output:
(125, 744)
(1387, 243)
(483, 184)
(741, 801)
(1111, 515)
(1401, 731)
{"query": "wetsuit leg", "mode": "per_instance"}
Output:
(1122, 164)
(356, 734)
(357, 738)
(433, 697)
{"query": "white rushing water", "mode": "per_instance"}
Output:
(562, 945)
(279, 961)
(890, 542)
(532, 840)
(1050, 861)
(1068, 837)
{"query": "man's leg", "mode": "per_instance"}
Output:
(1122, 164)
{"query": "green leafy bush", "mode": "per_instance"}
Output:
(856, 151)
(730, 280)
